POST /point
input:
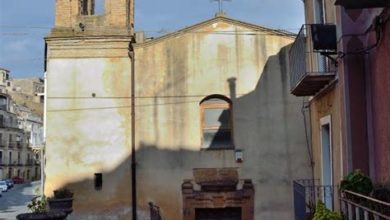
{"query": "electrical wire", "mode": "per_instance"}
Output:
(120, 107)
(137, 97)
(377, 27)
(283, 31)
(255, 33)
(163, 30)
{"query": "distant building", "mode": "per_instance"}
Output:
(20, 132)
(32, 123)
(26, 92)
(4, 80)
(16, 156)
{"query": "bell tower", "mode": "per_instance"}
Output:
(89, 63)
(94, 17)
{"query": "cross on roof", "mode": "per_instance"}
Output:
(220, 4)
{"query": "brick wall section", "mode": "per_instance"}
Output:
(66, 12)
(118, 13)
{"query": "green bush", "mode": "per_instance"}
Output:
(38, 205)
(357, 182)
(322, 213)
(63, 193)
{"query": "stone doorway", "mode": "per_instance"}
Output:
(217, 194)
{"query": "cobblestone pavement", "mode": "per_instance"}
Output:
(16, 199)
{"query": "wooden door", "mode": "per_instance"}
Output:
(218, 214)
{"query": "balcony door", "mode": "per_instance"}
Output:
(326, 162)
(319, 18)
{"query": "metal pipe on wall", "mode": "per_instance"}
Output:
(133, 158)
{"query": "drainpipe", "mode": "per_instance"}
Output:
(133, 158)
(43, 145)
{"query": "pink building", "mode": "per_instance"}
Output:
(364, 67)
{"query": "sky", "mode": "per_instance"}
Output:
(24, 23)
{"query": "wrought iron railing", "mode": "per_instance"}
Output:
(306, 194)
(355, 206)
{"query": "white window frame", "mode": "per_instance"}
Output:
(327, 120)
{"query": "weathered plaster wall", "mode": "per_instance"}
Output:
(380, 85)
(175, 74)
(363, 81)
(327, 105)
(87, 135)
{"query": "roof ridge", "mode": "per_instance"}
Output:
(217, 18)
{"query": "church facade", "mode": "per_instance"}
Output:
(216, 132)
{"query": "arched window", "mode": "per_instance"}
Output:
(216, 122)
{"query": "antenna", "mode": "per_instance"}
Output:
(220, 5)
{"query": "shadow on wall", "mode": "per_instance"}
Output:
(268, 127)
(112, 199)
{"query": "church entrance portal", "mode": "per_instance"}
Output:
(217, 194)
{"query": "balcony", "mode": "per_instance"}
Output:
(310, 70)
(357, 206)
(352, 206)
(29, 162)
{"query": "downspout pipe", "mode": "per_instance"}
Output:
(133, 156)
(43, 145)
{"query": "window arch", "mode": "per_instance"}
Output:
(216, 122)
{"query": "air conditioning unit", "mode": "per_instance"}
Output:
(324, 37)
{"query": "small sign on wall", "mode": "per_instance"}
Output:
(239, 156)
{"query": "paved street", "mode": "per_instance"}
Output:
(16, 199)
